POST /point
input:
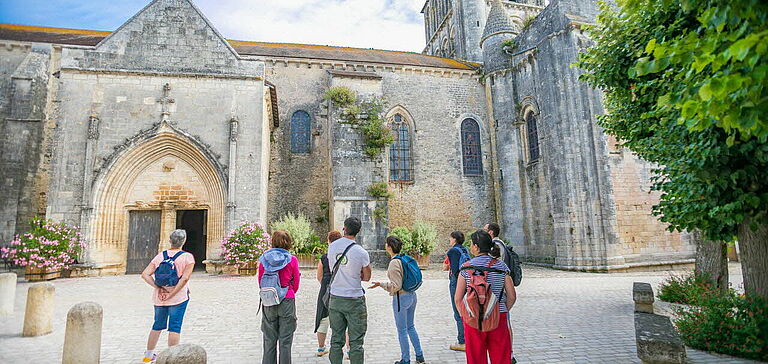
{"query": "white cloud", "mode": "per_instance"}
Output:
(382, 24)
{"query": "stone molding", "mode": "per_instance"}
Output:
(365, 67)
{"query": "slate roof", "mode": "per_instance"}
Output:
(498, 21)
(27, 33)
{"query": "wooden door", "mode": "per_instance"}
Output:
(143, 239)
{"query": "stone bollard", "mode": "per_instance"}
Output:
(7, 293)
(38, 316)
(642, 293)
(82, 340)
(183, 354)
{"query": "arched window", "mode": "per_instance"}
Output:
(470, 148)
(532, 136)
(400, 155)
(300, 136)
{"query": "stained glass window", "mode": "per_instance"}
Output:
(470, 148)
(300, 133)
(400, 156)
(533, 137)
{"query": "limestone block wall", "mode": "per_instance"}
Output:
(435, 101)
(642, 237)
(564, 196)
(113, 114)
(300, 183)
(25, 85)
(440, 193)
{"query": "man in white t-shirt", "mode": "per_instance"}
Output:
(347, 310)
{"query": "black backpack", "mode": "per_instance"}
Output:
(512, 260)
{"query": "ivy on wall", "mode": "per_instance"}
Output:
(364, 116)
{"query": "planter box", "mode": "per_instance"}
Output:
(307, 260)
(423, 261)
(250, 269)
(34, 274)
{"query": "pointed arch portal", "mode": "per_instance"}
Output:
(147, 192)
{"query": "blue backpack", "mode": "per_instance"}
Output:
(464, 257)
(411, 275)
(166, 274)
(271, 293)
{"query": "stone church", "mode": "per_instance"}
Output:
(164, 124)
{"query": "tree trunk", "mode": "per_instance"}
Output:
(711, 260)
(753, 246)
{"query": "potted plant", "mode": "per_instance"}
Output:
(418, 241)
(306, 244)
(46, 249)
(244, 246)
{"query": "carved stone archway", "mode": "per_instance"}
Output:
(165, 172)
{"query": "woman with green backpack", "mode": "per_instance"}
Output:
(404, 279)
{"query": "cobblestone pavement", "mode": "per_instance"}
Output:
(560, 317)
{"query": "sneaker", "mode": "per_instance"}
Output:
(149, 357)
(458, 347)
(321, 351)
(420, 360)
(513, 361)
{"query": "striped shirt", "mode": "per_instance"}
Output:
(496, 280)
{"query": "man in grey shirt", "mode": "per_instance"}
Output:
(347, 310)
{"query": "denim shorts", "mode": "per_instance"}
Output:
(170, 317)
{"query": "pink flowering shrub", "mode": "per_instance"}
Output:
(245, 244)
(47, 244)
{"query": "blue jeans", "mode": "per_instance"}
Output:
(405, 325)
(170, 317)
(456, 316)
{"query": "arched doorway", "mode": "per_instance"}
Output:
(162, 183)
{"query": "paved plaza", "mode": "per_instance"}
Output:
(560, 317)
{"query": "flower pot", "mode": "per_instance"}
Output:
(248, 269)
(423, 261)
(307, 260)
(34, 274)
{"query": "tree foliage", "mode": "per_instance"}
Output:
(684, 84)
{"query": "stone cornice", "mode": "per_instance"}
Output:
(162, 74)
(365, 67)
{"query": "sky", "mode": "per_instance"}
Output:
(381, 24)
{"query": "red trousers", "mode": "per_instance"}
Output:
(495, 344)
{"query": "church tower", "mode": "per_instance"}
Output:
(498, 28)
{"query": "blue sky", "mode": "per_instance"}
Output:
(383, 24)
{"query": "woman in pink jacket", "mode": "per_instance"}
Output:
(278, 322)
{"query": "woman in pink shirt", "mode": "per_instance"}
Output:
(170, 301)
(278, 322)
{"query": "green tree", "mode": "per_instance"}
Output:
(684, 84)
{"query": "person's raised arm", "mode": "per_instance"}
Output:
(183, 280)
(320, 271)
(509, 289)
(365, 274)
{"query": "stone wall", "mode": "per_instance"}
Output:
(434, 101)
(24, 86)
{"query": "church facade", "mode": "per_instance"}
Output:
(164, 124)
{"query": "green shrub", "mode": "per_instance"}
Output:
(404, 234)
(379, 189)
(300, 229)
(421, 239)
(727, 323)
(341, 96)
(688, 289)
(527, 23)
(424, 238)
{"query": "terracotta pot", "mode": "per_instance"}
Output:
(249, 269)
(423, 261)
(34, 274)
(307, 260)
